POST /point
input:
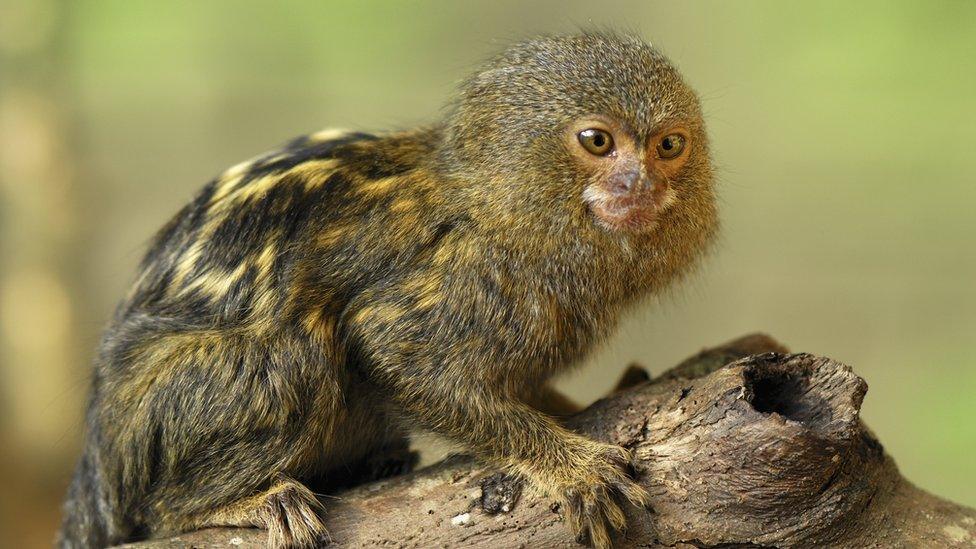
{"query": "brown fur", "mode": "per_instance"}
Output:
(308, 307)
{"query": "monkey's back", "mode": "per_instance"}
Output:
(234, 255)
(223, 364)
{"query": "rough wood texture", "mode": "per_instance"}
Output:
(742, 445)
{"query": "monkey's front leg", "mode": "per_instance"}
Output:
(589, 477)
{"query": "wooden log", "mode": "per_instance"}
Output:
(743, 445)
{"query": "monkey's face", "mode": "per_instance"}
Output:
(628, 177)
(581, 136)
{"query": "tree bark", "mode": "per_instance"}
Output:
(743, 445)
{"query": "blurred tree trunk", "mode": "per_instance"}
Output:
(743, 445)
(42, 378)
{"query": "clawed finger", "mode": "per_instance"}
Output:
(599, 533)
(634, 493)
(614, 514)
(576, 516)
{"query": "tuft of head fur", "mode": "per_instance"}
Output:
(521, 95)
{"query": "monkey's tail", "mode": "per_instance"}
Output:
(85, 523)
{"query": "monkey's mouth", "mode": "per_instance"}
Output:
(634, 212)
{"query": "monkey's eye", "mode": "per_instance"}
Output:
(671, 146)
(596, 141)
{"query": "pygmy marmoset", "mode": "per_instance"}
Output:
(309, 306)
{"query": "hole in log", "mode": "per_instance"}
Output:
(789, 394)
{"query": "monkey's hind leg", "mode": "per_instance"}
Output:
(288, 510)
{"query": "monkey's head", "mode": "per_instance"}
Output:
(597, 129)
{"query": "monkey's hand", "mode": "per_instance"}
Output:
(593, 490)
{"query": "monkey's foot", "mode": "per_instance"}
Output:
(293, 517)
(390, 463)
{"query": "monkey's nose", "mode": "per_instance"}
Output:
(628, 182)
(625, 182)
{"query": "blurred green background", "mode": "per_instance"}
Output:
(844, 135)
